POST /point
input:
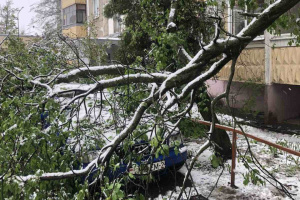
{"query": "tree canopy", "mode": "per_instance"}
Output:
(7, 18)
(48, 15)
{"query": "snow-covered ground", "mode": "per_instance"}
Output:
(284, 166)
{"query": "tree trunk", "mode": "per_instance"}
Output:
(219, 136)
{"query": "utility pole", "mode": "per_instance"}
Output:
(19, 21)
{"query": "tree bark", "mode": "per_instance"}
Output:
(219, 136)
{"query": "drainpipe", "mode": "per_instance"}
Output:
(268, 114)
(19, 21)
(268, 59)
(88, 15)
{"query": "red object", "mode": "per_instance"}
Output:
(233, 159)
(234, 137)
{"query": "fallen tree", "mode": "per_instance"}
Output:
(39, 87)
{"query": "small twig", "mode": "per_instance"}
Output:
(192, 163)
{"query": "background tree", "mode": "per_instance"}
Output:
(48, 15)
(7, 18)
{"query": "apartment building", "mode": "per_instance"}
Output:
(269, 61)
(272, 64)
(75, 14)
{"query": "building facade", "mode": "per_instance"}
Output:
(269, 62)
(81, 17)
(272, 65)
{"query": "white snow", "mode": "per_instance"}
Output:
(284, 167)
(57, 174)
(172, 13)
(9, 129)
(107, 83)
(171, 25)
(94, 68)
(72, 86)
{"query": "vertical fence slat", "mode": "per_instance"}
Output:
(234, 137)
(233, 159)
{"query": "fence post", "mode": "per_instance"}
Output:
(233, 159)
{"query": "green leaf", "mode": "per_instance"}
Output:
(216, 161)
(246, 181)
(131, 176)
(81, 195)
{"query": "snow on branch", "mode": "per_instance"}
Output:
(171, 24)
(84, 72)
(200, 79)
(205, 76)
(59, 175)
(114, 82)
(184, 53)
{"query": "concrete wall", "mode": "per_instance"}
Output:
(66, 3)
(250, 67)
(75, 31)
(100, 25)
(286, 65)
(279, 102)
(282, 102)
(272, 63)
(241, 94)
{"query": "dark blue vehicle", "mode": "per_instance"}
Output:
(160, 165)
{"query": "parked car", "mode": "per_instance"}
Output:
(159, 165)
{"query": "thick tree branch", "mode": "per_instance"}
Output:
(114, 82)
(171, 25)
(223, 95)
(94, 71)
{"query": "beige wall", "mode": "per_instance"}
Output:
(26, 39)
(100, 23)
(66, 3)
(286, 65)
(250, 66)
(100, 26)
(75, 32)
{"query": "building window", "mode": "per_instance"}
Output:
(96, 8)
(239, 21)
(117, 24)
(74, 14)
(294, 13)
(81, 13)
